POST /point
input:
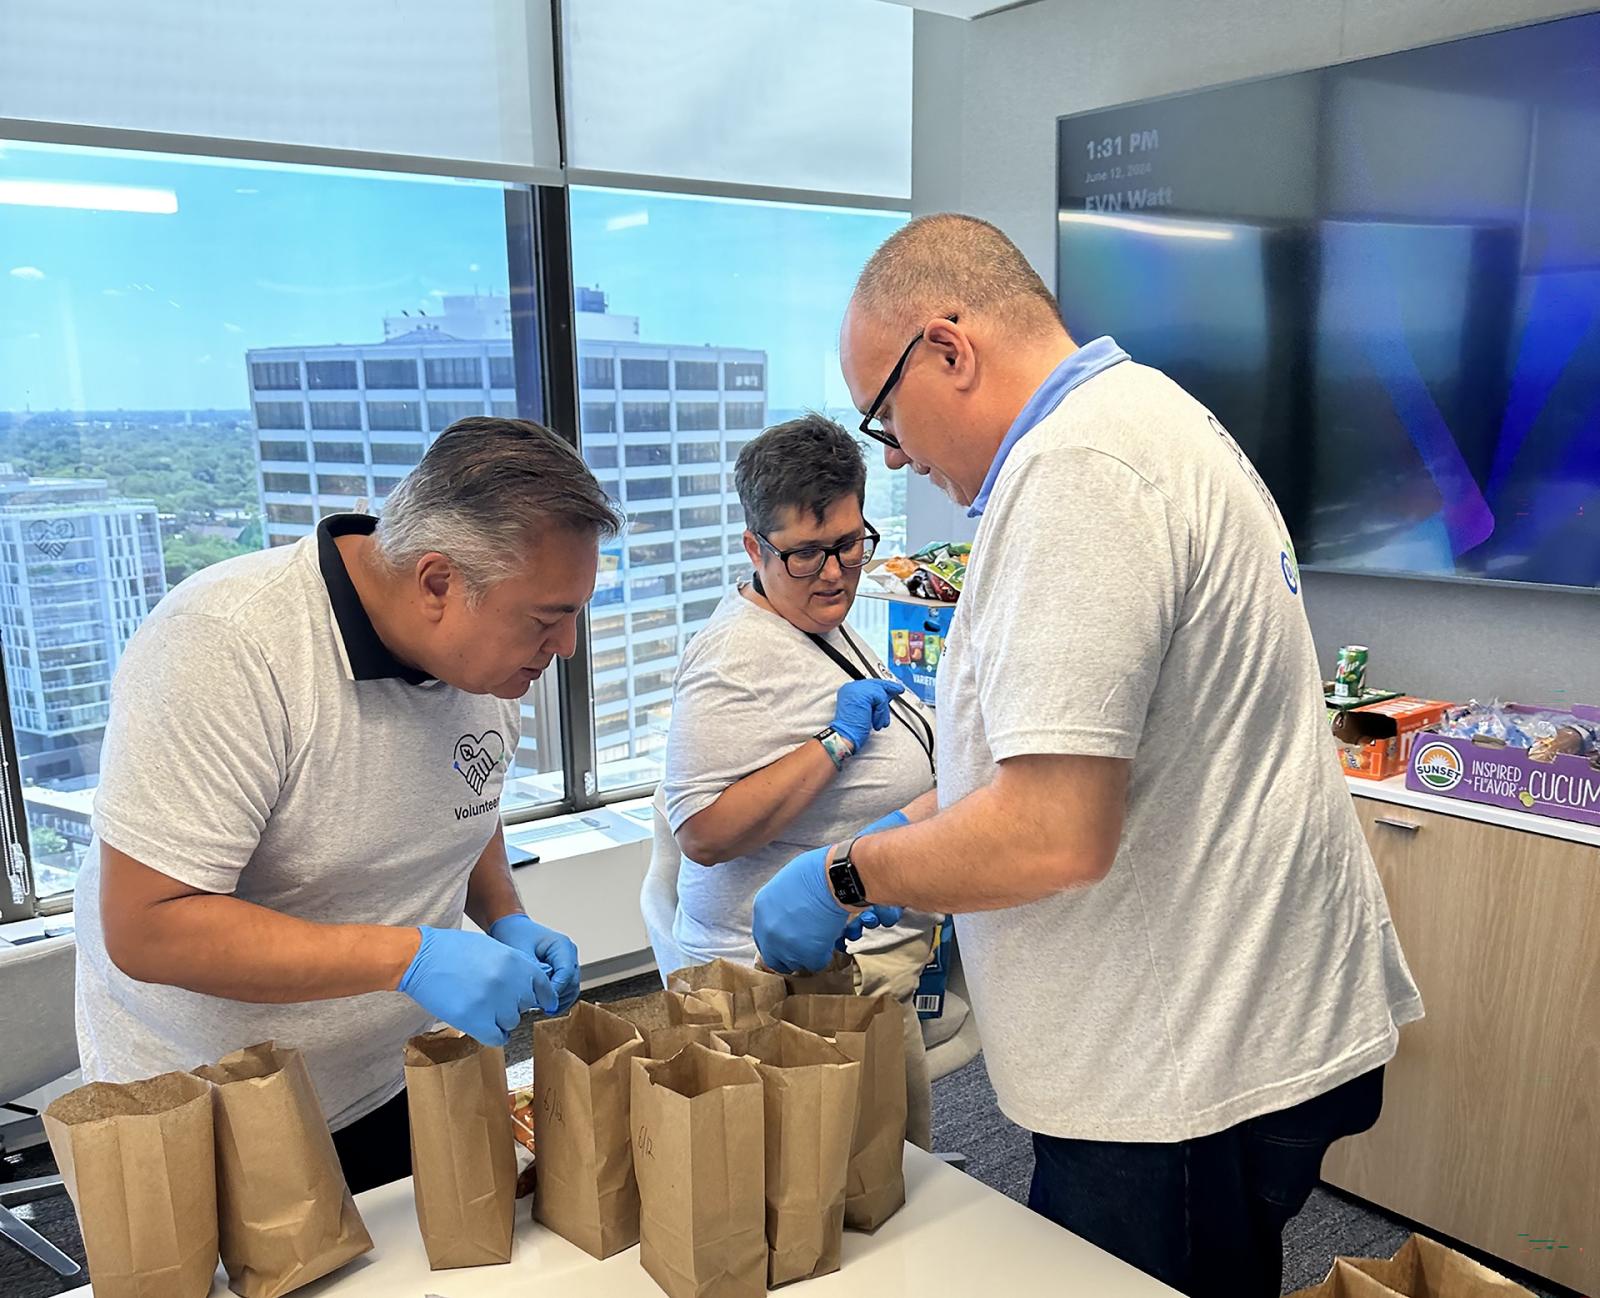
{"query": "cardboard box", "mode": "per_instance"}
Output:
(1567, 788)
(1375, 741)
(918, 629)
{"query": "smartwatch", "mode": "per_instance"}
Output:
(845, 880)
(838, 748)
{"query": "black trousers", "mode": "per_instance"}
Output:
(1205, 1216)
(376, 1149)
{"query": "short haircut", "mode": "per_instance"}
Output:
(483, 493)
(805, 464)
(949, 264)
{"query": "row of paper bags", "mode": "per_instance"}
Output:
(236, 1159)
(729, 1128)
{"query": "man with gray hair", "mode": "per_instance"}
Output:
(1179, 954)
(300, 788)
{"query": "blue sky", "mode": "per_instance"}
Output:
(105, 310)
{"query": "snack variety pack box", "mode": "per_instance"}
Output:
(1375, 741)
(1566, 786)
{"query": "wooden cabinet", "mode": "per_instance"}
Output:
(1491, 1121)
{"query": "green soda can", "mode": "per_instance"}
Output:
(1350, 675)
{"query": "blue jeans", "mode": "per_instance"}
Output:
(1205, 1216)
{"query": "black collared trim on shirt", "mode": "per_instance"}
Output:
(370, 659)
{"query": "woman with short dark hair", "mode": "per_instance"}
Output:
(787, 732)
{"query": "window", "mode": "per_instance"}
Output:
(701, 579)
(651, 683)
(503, 409)
(390, 374)
(394, 416)
(295, 483)
(606, 628)
(647, 454)
(649, 488)
(736, 513)
(638, 373)
(275, 376)
(600, 455)
(653, 619)
(746, 414)
(700, 484)
(441, 414)
(597, 372)
(396, 452)
(696, 376)
(698, 417)
(206, 455)
(280, 414)
(642, 555)
(700, 516)
(702, 547)
(639, 524)
(651, 587)
(340, 452)
(454, 372)
(653, 651)
(336, 414)
(744, 375)
(341, 484)
(599, 418)
(609, 660)
(645, 417)
(325, 376)
(699, 611)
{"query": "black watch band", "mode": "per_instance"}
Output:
(845, 880)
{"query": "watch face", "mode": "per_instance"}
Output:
(846, 883)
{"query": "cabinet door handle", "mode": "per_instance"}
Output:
(1394, 822)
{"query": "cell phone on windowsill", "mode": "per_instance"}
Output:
(520, 856)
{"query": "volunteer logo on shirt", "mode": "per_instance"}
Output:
(1439, 767)
(477, 757)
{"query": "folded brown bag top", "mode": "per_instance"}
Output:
(744, 995)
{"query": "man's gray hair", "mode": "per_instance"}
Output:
(950, 264)
(482, 495)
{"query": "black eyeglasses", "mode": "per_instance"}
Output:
(809, 560)
(878, 432)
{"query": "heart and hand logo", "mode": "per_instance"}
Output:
(477, 757)
(50, 536)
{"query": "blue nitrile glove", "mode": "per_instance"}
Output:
(873, 916)
(474, 983)
(796, 919)
(862, 707)
(555, 951)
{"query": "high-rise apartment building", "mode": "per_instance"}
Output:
(662, 426)
(82, 569)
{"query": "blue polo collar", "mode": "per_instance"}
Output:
(1089, 360)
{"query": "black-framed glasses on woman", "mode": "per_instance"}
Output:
(869, 424)
(809, 560)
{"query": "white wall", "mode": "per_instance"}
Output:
(985, 143)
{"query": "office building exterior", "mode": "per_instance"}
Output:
(82, 570)
(338, 426)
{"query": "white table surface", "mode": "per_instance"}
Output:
(954, 1236)
(1393, 790)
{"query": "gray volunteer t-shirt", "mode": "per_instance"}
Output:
(1132, 594)
(751, 688)
(244, 756)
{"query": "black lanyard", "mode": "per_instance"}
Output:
(905, 714)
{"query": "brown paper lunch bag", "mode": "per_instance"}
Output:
(663, 1043)
(699, 1152)
(665, 1009)
(139, 1161)
(744, 995)
(585, 1188)
(284, 1213)
(840, 978)
(463, 1155)
(1422, 1268)
(870, 1029)
(811, 1091)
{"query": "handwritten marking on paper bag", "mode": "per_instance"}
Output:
(552, 1107)
(644, 1144)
